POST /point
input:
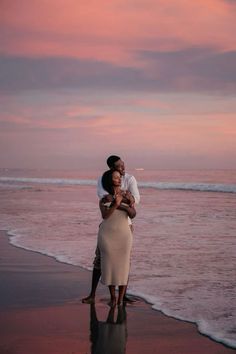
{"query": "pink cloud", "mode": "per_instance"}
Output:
(202, 134)
(14, 119)
(114, 31)
(50, 142)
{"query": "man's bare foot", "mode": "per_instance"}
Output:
(88, 300)
(128, 300)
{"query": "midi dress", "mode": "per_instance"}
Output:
(115, 243)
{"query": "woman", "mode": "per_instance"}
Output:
(108, 336)
(115, 237)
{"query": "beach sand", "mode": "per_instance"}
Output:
(41, 312)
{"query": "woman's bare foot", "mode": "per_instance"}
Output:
(88, 300)
(112, 302)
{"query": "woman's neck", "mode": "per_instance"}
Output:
(116, 189)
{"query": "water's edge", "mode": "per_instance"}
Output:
(12, 240)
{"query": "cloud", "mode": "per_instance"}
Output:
(113, 31)
(192, 69)
(141, 45)
(54, 115)
(48, 73)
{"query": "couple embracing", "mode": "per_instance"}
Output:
(118, 192)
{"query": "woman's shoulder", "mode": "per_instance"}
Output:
(106, 201)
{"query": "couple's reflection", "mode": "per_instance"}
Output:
(108, 337)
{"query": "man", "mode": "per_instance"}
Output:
(129, 184)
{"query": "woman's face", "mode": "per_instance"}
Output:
(116, 179)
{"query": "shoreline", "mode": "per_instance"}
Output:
(61, 288)
(132, 294)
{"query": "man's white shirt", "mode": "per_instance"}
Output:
(128, 183)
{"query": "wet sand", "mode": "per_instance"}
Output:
(41, 312)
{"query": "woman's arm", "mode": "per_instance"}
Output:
(107, 211)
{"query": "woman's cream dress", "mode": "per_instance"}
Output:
(115, 243)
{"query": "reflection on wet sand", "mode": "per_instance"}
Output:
(108, 336)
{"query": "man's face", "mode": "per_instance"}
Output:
(120, 167)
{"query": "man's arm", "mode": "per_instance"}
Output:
(100, 190)
(130, 210)
(133, 189)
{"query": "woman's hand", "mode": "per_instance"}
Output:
(118, 199)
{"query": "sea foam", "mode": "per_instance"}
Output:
(202, 187)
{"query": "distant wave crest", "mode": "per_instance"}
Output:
(203, 187)
(64, 181)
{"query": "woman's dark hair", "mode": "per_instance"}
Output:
(107, 181)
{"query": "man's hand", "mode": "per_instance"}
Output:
(127, 197)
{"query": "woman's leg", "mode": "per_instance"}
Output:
(112, 290)
(122, 289)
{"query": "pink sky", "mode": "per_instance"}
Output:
(153, 81)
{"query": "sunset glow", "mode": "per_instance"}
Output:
(153, 81)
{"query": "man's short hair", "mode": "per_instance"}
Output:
(112, 160)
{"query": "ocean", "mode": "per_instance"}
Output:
(184, 250)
